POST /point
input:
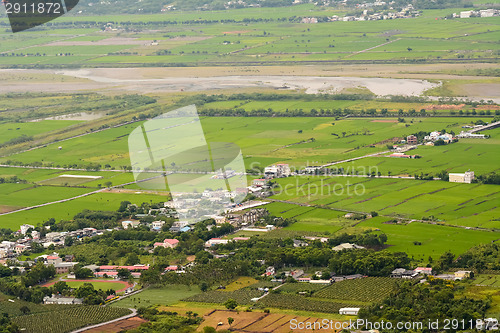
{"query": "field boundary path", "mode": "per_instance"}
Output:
(86, 328)
(354, 158)
(373, 47)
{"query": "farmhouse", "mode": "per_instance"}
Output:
(20, 248)
(403, 273)
(215, 241)
(54, 260)
(299, 243)
(25, 227)
(402, 155)
(64, 267)
(157, 225)
(219, 219)
(432, 136)
(460, 275)
(277, 171)
(466, 177)
(130, 224)
(349, 311)
(62, 300)
(167, 243)
(423, 270)
(270, 271)
(259, 182)
(412, 139)
(112, 271)
(347, 246)
(468, 135)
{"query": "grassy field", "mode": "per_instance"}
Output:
(240, 283)
(167, 295)
(258, 138)
(456, 157)
(470, 205)
(13, 130)
(434, 239)
(199, 37)
(97, 284)
(66, 210)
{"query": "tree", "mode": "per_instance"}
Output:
(124, 274)
(85, 290)
(230, 304)
(68, 241)
(24, 310)
(132, 259)
(203, 286)
(83, 273)
(108, 184)
(5, 271)
(123, 206)
(230, 320)
(60, 287)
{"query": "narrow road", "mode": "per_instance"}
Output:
(355, 158)
(133, 314)
(373, 47)
(78, 196)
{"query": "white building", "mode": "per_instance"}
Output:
(130, 224)
(349, 311)
(25, 228)
(277, 171)
(62, 300)
(347, 246)
(466, 177)
(468, 135)
(157, 225)
(215, 241)
(465, 14)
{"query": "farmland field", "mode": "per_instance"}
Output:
(334, 140)
(57, 321)
(103, 285)
(166, 295)
(67, 210)
(369, 289)
(296, 302)
(12, 130)
(470, 205)
(241, 296)
(304, 85)
(277, 37)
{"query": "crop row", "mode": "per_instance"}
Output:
(299, 287)
(296, 302)
(68, 320)
(369, 289)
